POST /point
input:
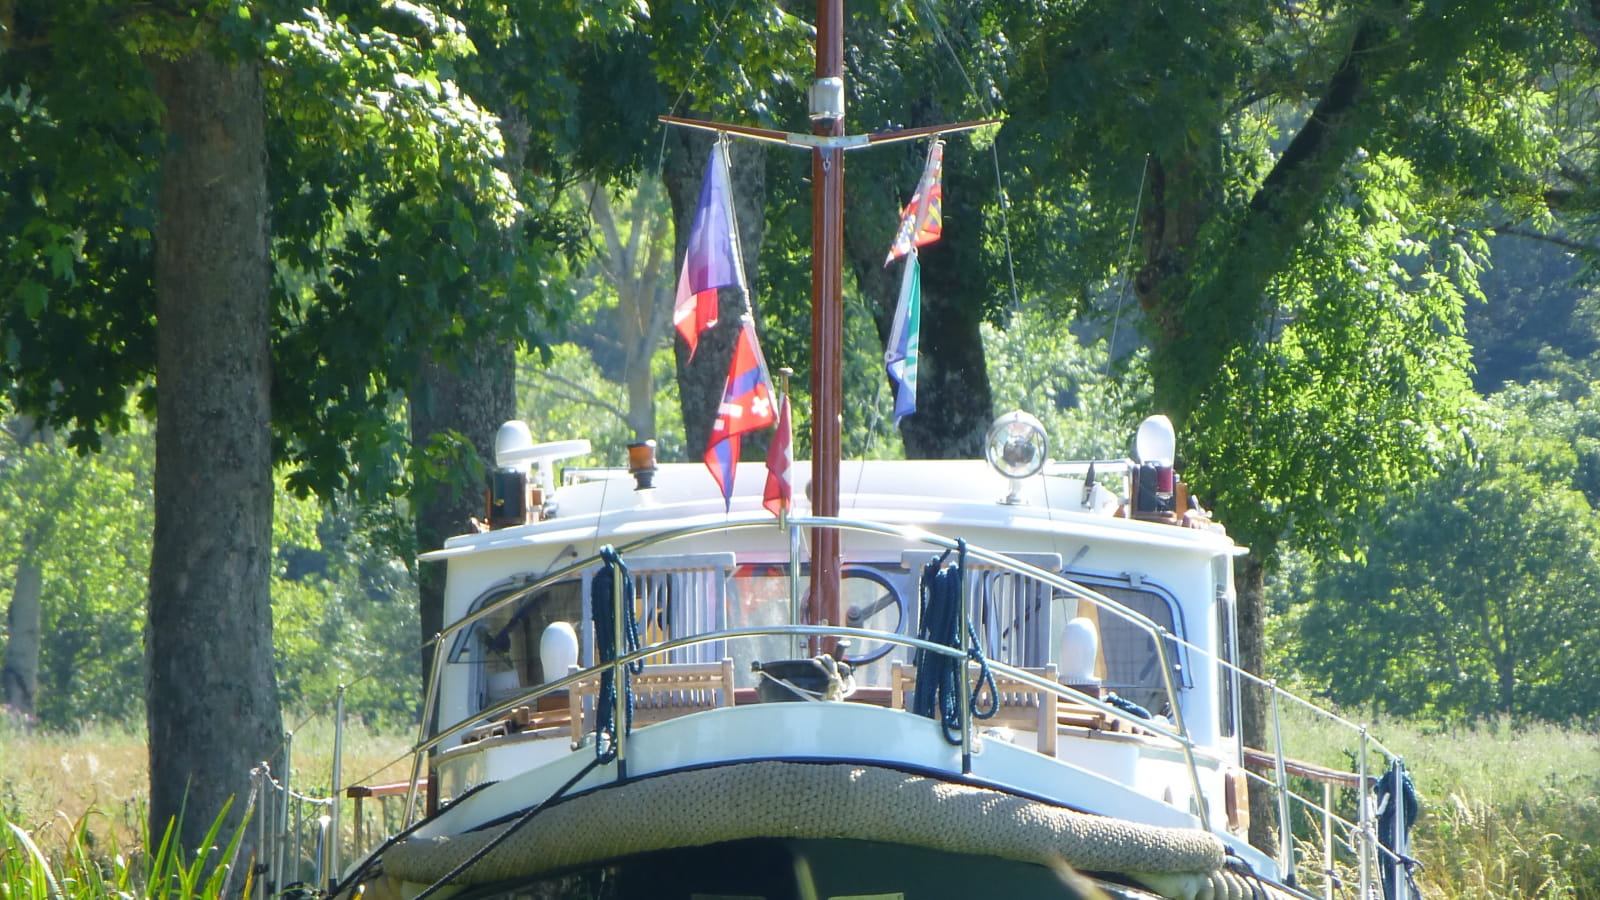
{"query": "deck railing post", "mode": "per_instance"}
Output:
(964, 715)
(282, 825)
(1364, 815)
(1327, 841)
(1398, 841)
(1285, 826)
(619, 674)
(263, 812)
(1184, 739)
(331, 845)
(424, 742)
(798, 642)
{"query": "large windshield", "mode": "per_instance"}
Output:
(502, 648)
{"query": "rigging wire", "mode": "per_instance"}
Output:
(1122, 289)
(932, 23)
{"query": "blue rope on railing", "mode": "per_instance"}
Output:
(937, 690)
(602, 611)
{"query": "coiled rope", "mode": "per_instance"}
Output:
(602, 611)
(937, 690)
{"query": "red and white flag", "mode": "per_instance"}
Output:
(746, 406)
(779, 494)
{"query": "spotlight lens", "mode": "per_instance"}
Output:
(1017, 446)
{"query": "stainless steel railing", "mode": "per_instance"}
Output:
(1342, 836)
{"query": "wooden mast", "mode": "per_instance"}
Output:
(827, 308)
(827, 143)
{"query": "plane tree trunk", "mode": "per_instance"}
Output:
(21, 668)
(955, 405)
(470, 394)
(212, 701)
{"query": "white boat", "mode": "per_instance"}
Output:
(1011, 677)
(1085, 735)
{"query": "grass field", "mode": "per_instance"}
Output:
(1509, 813)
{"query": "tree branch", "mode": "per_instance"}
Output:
(584, 395)
(1563, 242)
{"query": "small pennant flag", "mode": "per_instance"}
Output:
(746, 406)
(712, 258)
(900, 357)
(779, 492)
(922, 221)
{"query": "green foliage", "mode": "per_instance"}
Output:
(86, 522)
(570, 398)
(343, 613)
(338, 583)
(400, 227)
(401, 235)
(83, 871)
(1309, 191)
(1089, 407)
(1477, 597)
(1359, 367)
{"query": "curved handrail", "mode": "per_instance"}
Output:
(1159, 636)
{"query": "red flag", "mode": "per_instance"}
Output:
(712, 259)
(779, 493)
(746, 406)
(922, 221)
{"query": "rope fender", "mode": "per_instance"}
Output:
(811, 800)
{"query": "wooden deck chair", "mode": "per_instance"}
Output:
(1021, 705)
(662, 691)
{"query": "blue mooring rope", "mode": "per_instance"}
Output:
(937, 691)
(602, 611)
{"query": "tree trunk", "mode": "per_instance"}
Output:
(19, 676)
(955, 405)
(636, 265)
(212, 700)
(472, 395)
(22, 632)
(1251, 590)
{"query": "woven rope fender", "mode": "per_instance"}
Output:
(806, 800)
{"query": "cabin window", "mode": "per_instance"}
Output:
(675, 597)
(502, 648)
(1227, 646)
(872, 596)
(1128, 662)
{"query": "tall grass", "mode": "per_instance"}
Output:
(1509, 813)
(95, 778)
(1513, 813)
